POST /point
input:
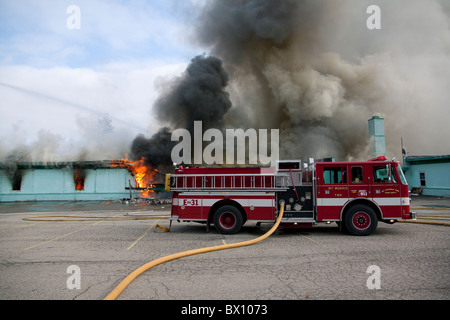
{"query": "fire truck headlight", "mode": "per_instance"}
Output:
(297, 207)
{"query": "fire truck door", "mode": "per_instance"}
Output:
(332, 191)
(359, 182)
(386, 191)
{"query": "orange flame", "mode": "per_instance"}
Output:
(78, 178)
(143, 173)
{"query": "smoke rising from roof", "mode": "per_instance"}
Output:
(310, 68)
(314, 70)
(197, 95)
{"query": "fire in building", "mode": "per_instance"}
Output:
(77, 181)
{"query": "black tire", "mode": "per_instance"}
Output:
(360, 220)
(228, 220)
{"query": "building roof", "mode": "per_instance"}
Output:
(428, 159)
(61, 164)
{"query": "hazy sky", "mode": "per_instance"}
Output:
(82, 87)
(58, 83)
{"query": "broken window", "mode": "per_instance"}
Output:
(17, 181)
(79, 176)
(423, 182)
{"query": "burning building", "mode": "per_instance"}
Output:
(76, 181)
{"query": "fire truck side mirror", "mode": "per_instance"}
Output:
(167, 182)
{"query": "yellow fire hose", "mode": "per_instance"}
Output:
(125, 282)
(436, 223)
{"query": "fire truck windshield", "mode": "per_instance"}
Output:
(401, 175)
(381, 174)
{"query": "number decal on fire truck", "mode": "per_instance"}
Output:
(190, 202)
(362, 193)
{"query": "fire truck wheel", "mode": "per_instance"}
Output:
(228, 219)
(361, 220)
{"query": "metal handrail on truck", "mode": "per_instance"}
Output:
(230, 182)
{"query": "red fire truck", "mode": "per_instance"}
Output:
(355, 195)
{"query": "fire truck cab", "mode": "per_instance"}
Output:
(355, 195)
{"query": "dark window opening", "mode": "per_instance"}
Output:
(79, 176)
(357, 175)
(289, 165)
(423, 182)
(17, 181)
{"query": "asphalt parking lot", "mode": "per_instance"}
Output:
(85, 260)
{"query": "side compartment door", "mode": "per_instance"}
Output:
(190, 206)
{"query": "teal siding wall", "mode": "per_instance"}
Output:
(55, 184)
(437, 177)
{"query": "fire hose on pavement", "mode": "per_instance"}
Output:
(56, 218)
(125, 282)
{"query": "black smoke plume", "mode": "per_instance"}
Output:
(12, 169)
(154, 150)
(197, 95)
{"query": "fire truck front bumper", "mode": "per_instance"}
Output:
(412, 215)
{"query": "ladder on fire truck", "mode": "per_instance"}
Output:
(230, 182)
